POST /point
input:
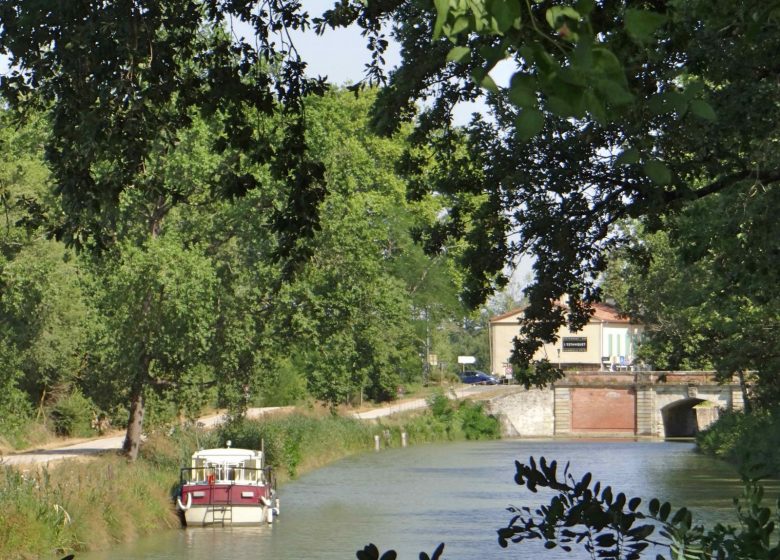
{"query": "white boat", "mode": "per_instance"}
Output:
(227, 486)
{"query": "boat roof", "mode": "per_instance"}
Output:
(226, 453)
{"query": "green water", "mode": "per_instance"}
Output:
(412, 499)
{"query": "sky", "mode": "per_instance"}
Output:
(341, 55)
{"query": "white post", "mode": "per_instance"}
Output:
(376, 443)
(403, 439)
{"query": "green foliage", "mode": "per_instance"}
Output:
(293, 441)
(355, 305)
(475, 423)
(81, 505)
(441, 407)
(712, 270)
(16, 411)
(72, 415)
(613, 111)
(609, 524)
(452, 420)
(749, 441)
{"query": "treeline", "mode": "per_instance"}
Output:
(192, 303)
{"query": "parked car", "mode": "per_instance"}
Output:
(478, 378)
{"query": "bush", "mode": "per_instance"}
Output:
(15, 415)
(72, 415)
(299, 441)
(750, 441)
(475, 424)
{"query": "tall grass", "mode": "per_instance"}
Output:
(81, 504)
(96, 503)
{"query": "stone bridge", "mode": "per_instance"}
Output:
(655, 404)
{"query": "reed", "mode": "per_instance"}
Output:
(98, 502)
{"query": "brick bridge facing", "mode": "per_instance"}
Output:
(656, 404)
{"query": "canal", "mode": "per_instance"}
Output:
(412, 499)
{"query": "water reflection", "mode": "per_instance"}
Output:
(412, 499)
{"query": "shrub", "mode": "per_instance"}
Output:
(750, 441)
(14, 413)
(475, 423)
(72, 415)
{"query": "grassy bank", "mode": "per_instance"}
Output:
(96, 503)
(749, 441)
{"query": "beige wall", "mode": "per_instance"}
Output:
(601, 338)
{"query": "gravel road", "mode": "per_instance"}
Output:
(98, 445)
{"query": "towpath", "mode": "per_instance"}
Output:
(98, 445)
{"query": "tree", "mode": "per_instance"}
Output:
(355, 300)
(705, 289)
(614, 110)
(159, 303)
(122, 82)
(43, 316)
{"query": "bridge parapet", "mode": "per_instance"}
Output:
(636, 378)
(643, 403)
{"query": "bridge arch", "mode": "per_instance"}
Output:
(682, 418)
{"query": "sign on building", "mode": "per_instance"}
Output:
(575, 343)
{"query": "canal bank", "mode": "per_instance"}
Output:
(83, 505)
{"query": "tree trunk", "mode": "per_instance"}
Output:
(743, 387)
(135, 422)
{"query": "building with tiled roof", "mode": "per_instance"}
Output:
(607, 342)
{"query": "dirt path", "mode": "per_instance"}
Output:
(114, 442)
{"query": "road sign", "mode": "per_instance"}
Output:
(467, 360)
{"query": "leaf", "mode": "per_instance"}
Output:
(663, 513)
(506, 14)
(627, 157)
(557, 12)
(522, 91)
(679, 516)
(641, 532)
(659, 174)
(369, 552)
(461, 24)
(489, 84)
(584, 7)
(442, 12)
(641, 24)
(457, 54)
(703, 110)
(596, 108)
(529, 123)
(606, 63)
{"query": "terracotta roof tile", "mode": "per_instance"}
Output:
(601, 312)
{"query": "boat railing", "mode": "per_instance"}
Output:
(225, 474)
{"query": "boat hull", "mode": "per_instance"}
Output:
(202, 516)
(226, 504)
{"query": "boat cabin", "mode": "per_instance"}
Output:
(225, 466)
